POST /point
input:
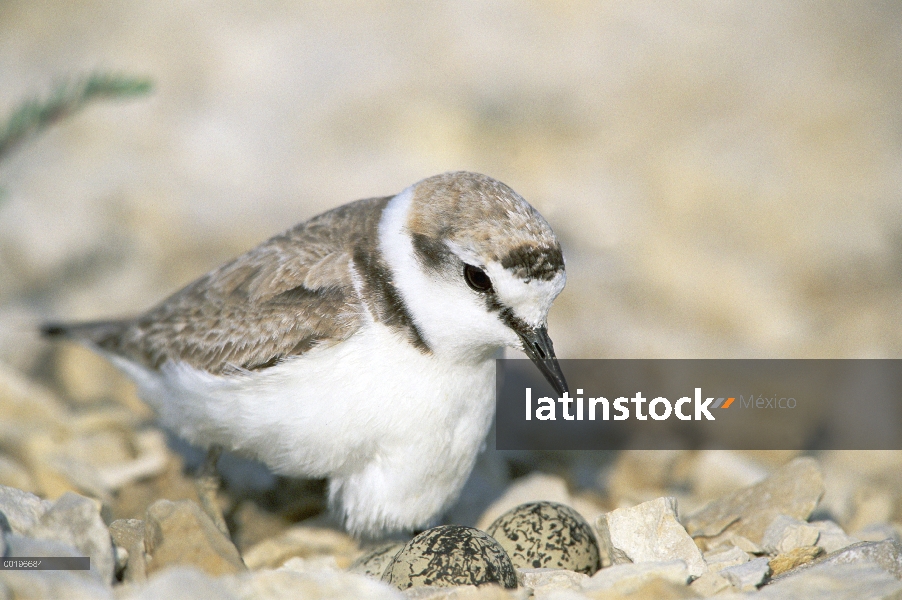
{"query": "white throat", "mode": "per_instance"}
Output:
(453, 320)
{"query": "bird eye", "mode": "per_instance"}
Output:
(477, 279)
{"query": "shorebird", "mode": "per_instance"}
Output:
(357, 346)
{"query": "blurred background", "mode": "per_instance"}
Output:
(725, 177)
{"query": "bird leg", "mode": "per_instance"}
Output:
(207, 484)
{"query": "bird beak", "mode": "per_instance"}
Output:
(540, 350)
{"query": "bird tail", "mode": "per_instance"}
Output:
(104, 334)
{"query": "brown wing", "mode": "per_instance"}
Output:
(280, 299)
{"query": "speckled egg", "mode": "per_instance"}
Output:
(373, 563)
(547, 535)
(451, 555)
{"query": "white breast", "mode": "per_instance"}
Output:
(395, 429)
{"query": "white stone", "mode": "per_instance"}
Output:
(724, 558)
(550, 578)
(76, 520)
(651, 532)
(786, 533)
(181, 533)
(22, 509)
(710, 584)
(50, 584)
(128, 541)
(832, 537)
(306, 565)
(748, 576)
(303, 541)
(627, 578)
(793, 490)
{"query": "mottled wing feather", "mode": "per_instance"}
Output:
(289, 294)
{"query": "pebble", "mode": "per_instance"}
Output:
(129, 535)
(547, 535)
(90, 450)
(710, 584)
(305, 542)
(793, 490)
(181, 533)
(306, 565)
(76, 520)
(451, 555)
(748, 576)
(22, 510)
(793, 559)
(721, 558)
(50, 584)
(831, 536)
(654, 589)
(650, 532)
(628, 578)
(786, 533)
(547, 579)
(23, 546)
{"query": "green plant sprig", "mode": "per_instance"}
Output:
(34, 115)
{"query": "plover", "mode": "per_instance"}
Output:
(357, 346)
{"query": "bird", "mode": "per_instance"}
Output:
(358, 346)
